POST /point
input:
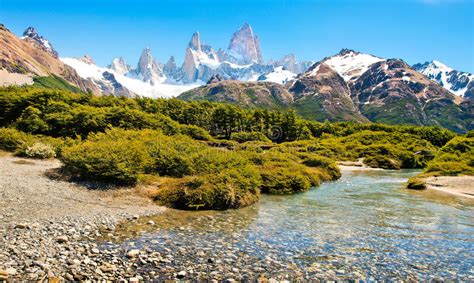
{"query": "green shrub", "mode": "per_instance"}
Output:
(231, 188)
(114, 156)
(380, 161)
(287, 178)
(249, 136)
(11, 139)
(325, 163)
(195, 132)
(38, 150)
(416, 183)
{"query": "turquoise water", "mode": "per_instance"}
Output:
(365, 224)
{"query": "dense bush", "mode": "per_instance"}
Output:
(11, 139)
(230, 188)
(108, 157)
(195, 132)
(381, 161)
(455, 158)
(250, 136)
(202, 177)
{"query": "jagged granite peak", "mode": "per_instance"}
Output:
(119, 66)
(195, 42)
(458, 82)
(244, 47)
(148, 69)
(170, 69)
(200, 61)
(31, 35)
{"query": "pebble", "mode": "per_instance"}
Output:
(133, 253)
(62, 239)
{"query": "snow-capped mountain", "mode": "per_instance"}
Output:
(148, 69)
(113, 82)
(457, 82)
(119, 66)
(41, 42)
(350, 64)
(242, 60)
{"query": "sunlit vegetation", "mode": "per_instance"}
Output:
(456, 158)
(204, 155)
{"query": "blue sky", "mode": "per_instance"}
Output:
(414, 30)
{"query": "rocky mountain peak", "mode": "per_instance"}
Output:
(32, 36)
(170, 69)
(195, 42)
(346, 51)
(119, 66)
(244, 47)
(351, 64)
(87, 59)
(148, 69)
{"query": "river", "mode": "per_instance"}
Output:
(365, 225)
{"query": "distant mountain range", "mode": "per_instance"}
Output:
(351, 86)
(347, 86)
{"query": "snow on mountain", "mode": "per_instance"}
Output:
(350, 64)
(289, 62)
(457, 82)
(110, 81)
(279, 75)
(119, 66)
(200, 60)
(148, 69)
(31, 34)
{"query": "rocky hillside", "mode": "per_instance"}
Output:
(247, 94)
(23, 59)
(392, 92)
(322, 94)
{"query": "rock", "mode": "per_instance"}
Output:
(3, 274)
(135, 217)
(133, 253)
(69, 277)
(107, 267)
(95, 251)
(133, 280)
(21, 226)
(181, 274)
(151, 222)
(62, 239)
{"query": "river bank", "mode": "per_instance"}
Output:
(355, 228)
(48, 225)
(461, 186)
